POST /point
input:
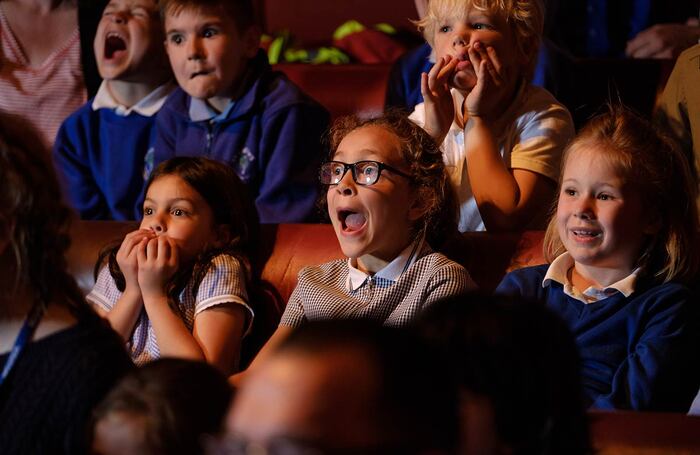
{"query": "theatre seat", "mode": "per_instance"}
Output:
(342, 89)
(286, 248)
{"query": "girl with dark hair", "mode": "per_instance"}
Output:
(177, 286)
(57, 357)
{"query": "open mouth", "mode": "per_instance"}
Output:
(351, 221)
(586, 233)
(114, 43)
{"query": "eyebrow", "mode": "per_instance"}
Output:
(373, 153)
(172, 201)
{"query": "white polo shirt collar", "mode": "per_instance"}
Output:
(559, 271)
(148, 106)
(392, 271)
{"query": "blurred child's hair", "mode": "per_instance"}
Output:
(241, 12)
(649, 160)
(33, 220)
(523, 359)
(228, 199)
(179, 400)
(525, 18)
(401, 365)
(427, 169)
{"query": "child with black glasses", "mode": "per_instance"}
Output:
(390, 203)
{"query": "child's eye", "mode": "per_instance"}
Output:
(369, 171)
(445, 29)
(569, 191)
(139, 12)
(604, 197)
(209, 32)
(178, 212)
(481, 26)
(176, 38)
(147, 211)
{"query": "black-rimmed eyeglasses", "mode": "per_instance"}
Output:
(363, 172)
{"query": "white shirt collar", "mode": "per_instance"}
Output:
(148, 106)
(201, 111)
(392, 271)
(559, 271)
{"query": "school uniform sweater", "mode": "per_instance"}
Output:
(271, 137)
(99, 156)
(638, 352)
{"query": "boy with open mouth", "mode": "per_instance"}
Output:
(102, 150)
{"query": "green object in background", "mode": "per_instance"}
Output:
(347, 28)
(329, 55)
(385, 28)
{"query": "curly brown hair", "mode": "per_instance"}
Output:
(33, 220)
(648, 158)
(426, 168)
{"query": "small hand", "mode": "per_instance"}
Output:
(127, 255)
(439, 106)
(663, 41)
(488, 93)
(158, 260)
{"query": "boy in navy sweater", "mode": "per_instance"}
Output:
(100, 149)
(232, 108)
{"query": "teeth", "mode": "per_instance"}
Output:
(116, 34)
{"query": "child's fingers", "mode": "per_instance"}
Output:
(424, 88)
(493, 56)
(152, 249)
(493, 65)
(141, 251)
(433, 74)
(474, 58)
(446, 71)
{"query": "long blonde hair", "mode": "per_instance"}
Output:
(645, 156)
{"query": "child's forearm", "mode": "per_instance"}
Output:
(174, 338)
(123, 316)
(495, 189)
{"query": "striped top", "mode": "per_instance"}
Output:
(43, 95)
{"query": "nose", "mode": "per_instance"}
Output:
(194, 49)
(585, 209)
(346, 186)
(157, 224)
(460, 38)
(119, 17)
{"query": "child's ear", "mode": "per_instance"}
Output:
(222, 234)
(251, 40)
(418, 207)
